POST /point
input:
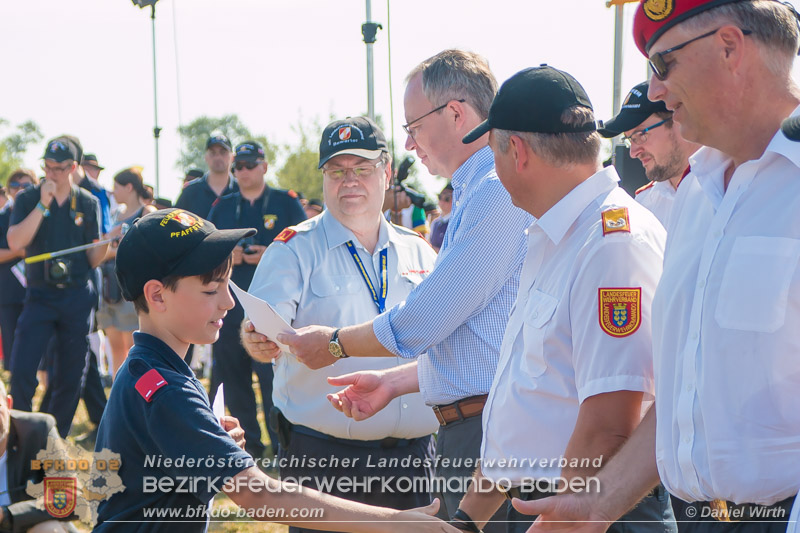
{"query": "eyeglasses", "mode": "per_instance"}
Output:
(359, 172)
(407, 127)
(54, 170)
(19, 185)
(249, 165)
(659, 65)
(640, 137)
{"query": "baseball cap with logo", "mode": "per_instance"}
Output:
(61, 149)
(91, 160)
(533, 100)
(355, 136)
(250, 151)
(635, 109)
(219, 139)
(171, 242)
(654, 17)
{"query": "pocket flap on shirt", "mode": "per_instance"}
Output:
(326, 285)
(540, 308)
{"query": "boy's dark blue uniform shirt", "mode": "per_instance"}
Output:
(157, 413)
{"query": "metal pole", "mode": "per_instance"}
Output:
(618, 34)
(370, 73)
(156, 129)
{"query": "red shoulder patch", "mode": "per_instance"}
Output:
(644, 188)
(149, 383)
(291, 193)
(285, 235)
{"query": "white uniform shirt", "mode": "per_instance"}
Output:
(312, 279)
(555, 353)
(725, 331)
(658, 197)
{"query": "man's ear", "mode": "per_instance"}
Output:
(733, 41)
(519, 150)
(154, 294)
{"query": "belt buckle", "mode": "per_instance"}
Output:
(721, 511)
(439, 415)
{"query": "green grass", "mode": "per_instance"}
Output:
(82, 425)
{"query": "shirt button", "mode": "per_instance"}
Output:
(688, 388)
(337, 288)
(717, 234)
(536, 314)
(702, 283)
(694, 336)
(405, 406)
(458, 202)
(686, 440)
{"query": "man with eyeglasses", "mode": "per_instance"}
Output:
(724, 434)
(198, 195)
(270, 211)
(54, 215)
(340, 268)
(457, 315)
(647, 129)
(12, 292)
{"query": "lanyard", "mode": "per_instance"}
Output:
(379, 296)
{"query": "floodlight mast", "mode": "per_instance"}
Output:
(156, 128)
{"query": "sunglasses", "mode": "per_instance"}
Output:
(659, 65)
(19, 185)
(249, 165)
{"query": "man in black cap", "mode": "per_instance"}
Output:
(54, 215)
(191, 175)
(648, 131)
(198, 196)
(270, 211)
(576, 363)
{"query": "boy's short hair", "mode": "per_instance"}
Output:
(170, 244)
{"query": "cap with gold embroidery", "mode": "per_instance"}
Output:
(654, 17)
(171, 242)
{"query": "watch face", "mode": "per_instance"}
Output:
(335, 349)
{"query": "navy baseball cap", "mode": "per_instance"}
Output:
(61, 149)
(219, 139)
(91, 160)
(171, 242)
(635, 109)
(355, 136)
(533, 100)
(250, 151)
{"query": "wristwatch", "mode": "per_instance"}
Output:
(334, 347)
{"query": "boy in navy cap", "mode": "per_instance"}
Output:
(175, 454)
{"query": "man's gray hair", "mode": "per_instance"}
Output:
(457, 74)
(773, 24)
(560, 149)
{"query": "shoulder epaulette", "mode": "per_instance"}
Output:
(616, 220)
(291, 193)
(285, 235)
(149, 383)
(644, 188)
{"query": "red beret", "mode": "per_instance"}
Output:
(654, 17)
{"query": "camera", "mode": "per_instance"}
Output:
(57, 272)
(246, 243)
(417, 198)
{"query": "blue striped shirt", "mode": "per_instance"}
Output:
(459, 312)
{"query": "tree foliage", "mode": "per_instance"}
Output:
(14, 145)
(195, 134)
(299, 171)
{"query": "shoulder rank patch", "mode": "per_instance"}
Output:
(149, 383)
(644, 188)
(616, 220)
(620, 311)
(291, 193)
(285, 235)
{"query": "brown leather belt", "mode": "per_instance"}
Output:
(460, 410)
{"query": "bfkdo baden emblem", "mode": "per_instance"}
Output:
(620, 311)
(60, 495)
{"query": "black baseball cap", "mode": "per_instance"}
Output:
(533, 100)
(250, 151)
(171, 242)
(355, 136)
(220, 139)
(61, 149)
(635, 109)
(91, 160)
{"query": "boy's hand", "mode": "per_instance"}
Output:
(257, 345)
(231, 426)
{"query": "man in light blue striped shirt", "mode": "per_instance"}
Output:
(457, 314)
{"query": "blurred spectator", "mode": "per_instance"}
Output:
(313, 207)
(439, 226)
(200, 194)
(191, 175)
(12, 291)
(162, 203)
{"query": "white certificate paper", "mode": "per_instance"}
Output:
(263, 316)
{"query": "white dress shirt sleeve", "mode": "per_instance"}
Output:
(602, 362)
(278, 280)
